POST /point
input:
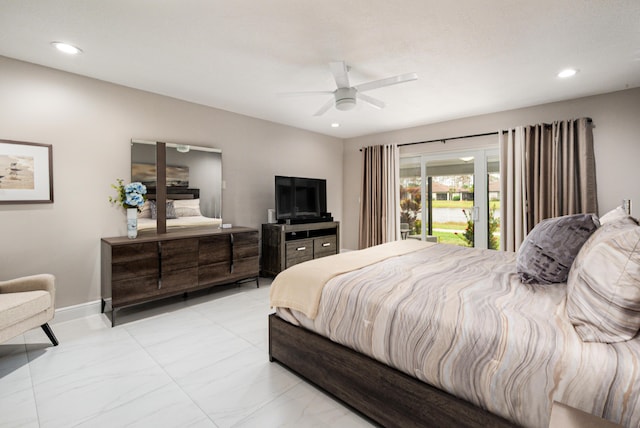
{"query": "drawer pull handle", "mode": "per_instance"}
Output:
(326, 244)
(301, 248)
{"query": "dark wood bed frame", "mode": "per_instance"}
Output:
(383, 394)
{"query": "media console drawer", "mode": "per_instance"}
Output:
(324, 246)
(299, 251)
(285, 245)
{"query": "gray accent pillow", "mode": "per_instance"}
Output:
(603, 290)
(548, 251)
(171, 211)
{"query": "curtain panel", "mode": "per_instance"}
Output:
(379, 195)
(513, 203)
(548, 170)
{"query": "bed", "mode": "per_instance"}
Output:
(179, 222)
(183, 211)
(421, 334)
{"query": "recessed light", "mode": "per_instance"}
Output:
(568, 72)
(335, 125)
(67, 48)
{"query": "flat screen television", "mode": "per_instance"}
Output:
(300, 200)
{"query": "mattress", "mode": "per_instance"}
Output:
(460, 319)
(180, 222)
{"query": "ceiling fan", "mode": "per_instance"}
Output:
(344, 97)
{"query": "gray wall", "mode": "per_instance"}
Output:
(90, 124)
(616, 135)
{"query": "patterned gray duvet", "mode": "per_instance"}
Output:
(461, 320)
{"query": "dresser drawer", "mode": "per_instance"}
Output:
(245, 245)
(178, 280)
(179, 254)
(245, 239)
(133, 290)
(324, 246)
(299, 251)
(214, 249)
(246, 267)
(133, 252)
(133, 261)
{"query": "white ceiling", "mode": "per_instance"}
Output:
(471, 57)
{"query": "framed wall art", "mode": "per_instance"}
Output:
(26, 173)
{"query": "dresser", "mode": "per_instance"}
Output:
(155, 266)
(285, 245)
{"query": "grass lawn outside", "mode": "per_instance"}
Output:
(452, 204)
(446, 231)
(450, 226)
(462, 204)
(449, 238)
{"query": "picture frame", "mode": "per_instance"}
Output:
(26, 172)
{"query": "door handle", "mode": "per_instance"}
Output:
(475, 214)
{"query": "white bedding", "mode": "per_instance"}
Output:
(193, 221)
(460, 319)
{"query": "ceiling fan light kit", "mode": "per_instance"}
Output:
(345, 96)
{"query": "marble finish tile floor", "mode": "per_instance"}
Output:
(199, 362)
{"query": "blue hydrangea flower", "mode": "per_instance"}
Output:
(135, 187)
(130, 195)
(134, 199)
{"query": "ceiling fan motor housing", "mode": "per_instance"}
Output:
(345, 98)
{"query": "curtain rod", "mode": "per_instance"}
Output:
(444, 140)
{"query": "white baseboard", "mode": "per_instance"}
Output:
(77, 311)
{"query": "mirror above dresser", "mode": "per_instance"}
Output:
(187, 178)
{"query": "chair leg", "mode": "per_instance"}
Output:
(50, 335)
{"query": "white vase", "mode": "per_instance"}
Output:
(132, 222)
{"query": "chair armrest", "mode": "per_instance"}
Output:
(42, 281)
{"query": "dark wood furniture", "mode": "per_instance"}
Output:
(387, 396)
(158, 265)
(285, 245)
(174, 193)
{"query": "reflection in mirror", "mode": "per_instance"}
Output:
(194, 184)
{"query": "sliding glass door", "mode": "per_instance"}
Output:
(461, 198)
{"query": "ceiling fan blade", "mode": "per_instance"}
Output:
(340, 73)
(325, 107)
(303, 93)
(370, 100)
(386, 82)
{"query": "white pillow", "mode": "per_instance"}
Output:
(187, 207)
(145, 211)
(615, 214)
(603, 290)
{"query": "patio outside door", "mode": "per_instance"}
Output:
(462, 200)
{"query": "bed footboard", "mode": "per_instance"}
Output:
(387, 396)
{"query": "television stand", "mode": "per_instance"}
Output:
(306, 220)
(285, 245)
